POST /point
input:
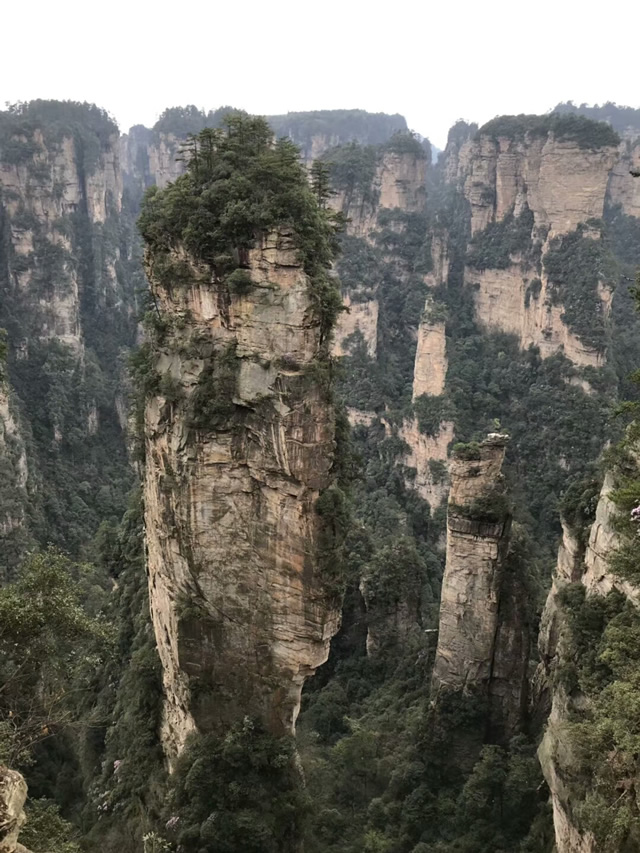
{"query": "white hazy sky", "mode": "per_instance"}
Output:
(432, 62)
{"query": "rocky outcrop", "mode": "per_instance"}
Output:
(507, 300)
(237, 456)
(398, 182)
(13, 794)
(560, 181)
(482, 638)
(47, 181)
(476, 550)
(431, 359)
(555, 754)
(624, 189)
(563, 185)
(359, 317)
(585, 562)
(149, 158)
(427, 460)
(508, 174)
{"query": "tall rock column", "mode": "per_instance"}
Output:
(482, 641)
(239, 448)
(13, 794)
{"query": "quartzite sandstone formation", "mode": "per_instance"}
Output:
(41, 194)
(561, 185)
(589, 565)
(241, 613)
(14, 471)
(67, 299)
(482, 636)
(13, 794)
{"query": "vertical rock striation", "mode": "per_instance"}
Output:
(67, 305)
(241, 611)
(482, 637)
(583, 559)
(531, 186)
(13, 794)
(14, 474)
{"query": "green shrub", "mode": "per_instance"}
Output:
(46, 831)
(240, 282)
(406, 143)
(495, 246)
(237, 791)
(237, 186)
(491, 508)
(573, 128)
(431, 412)
(533, 291)
(438, 470)
(211, 403)
(353, 169)
(468, 452)
(575, 264)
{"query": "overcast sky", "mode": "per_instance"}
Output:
(432, 62)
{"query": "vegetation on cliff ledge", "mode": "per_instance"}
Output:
(566, 128)
(580, 266)
(240, 185)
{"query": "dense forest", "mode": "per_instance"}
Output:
(243, 361)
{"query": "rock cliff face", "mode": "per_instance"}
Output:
(241, 611)
(149, 158)
(563, 185)
(553, 184)
(359, 317)
(13, 794)
(67, 305)
(586, 563)
(14, 473)
(46, 184)
(430, 482)
(431, 359)
(482, 641)
(398, 182)
(562, 182)
(623, 189)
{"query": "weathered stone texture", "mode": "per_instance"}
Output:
(586, 564)
(13, 794)
(359, 317)
(39, 195)
(240, 613)
(431, 360)
(472, 579)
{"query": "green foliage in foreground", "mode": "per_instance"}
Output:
(49, 645)
(604, 734)
(239, 791)
(46, 832)
(392, 778)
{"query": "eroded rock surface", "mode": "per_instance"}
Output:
(13, 794)
(585, 562)
(483, 644)
(241, 613)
